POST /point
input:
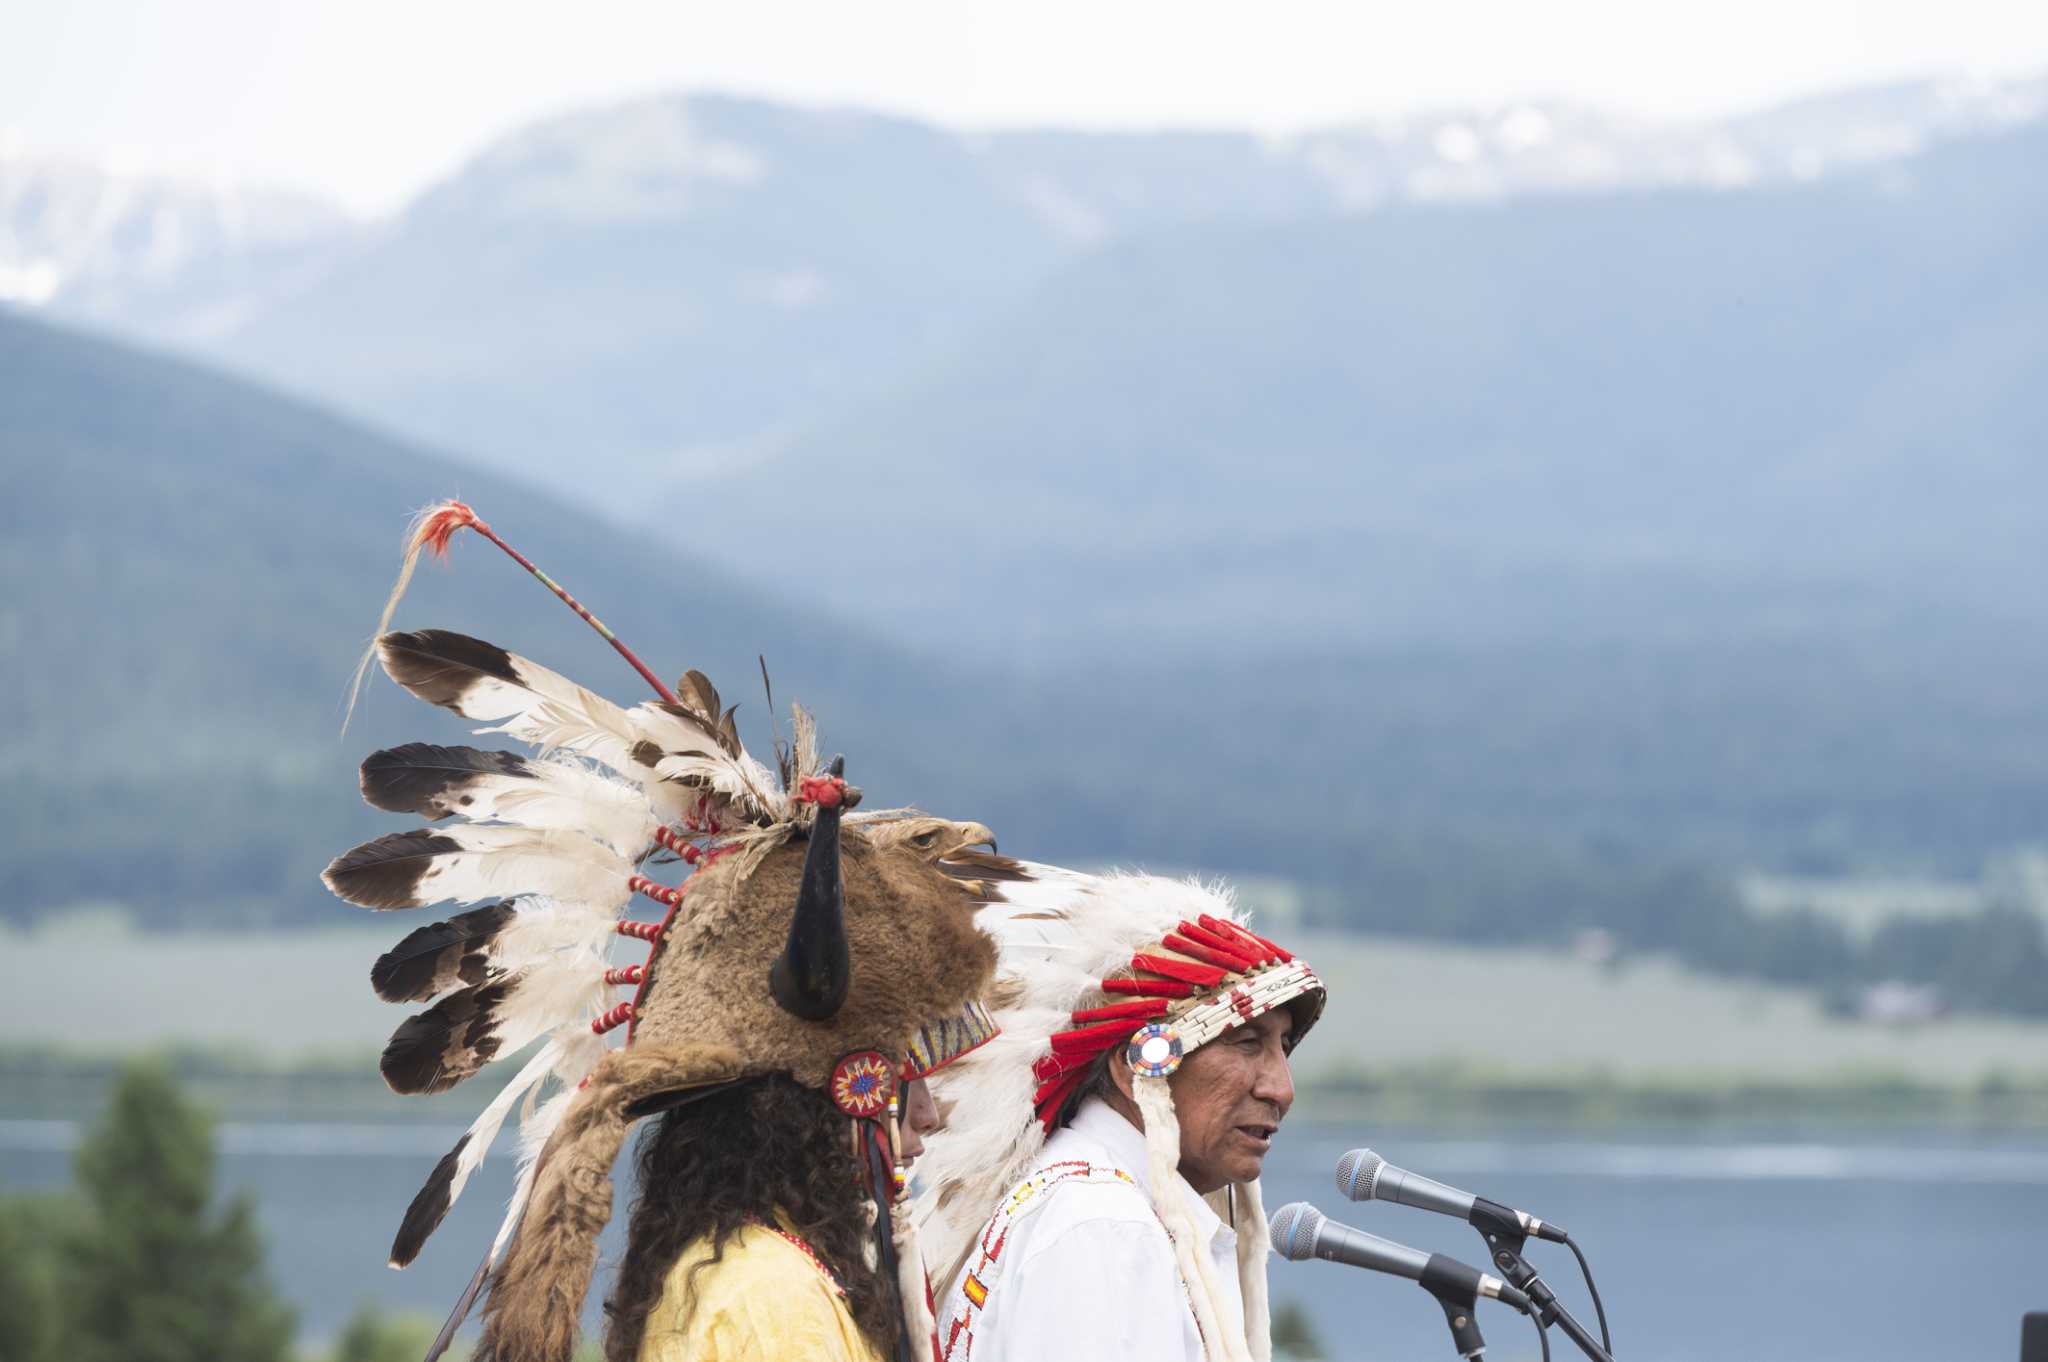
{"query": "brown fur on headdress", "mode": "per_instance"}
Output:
(916, 954)
(705, 1017)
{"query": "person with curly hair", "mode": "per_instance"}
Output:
(747, 1235)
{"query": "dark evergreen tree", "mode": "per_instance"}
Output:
(29, 1321)
(1294, 1333)
(153, 1273)
(373, 1336)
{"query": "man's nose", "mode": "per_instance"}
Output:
(920, 1112)
(1275, 1080)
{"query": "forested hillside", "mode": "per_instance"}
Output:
(194, 567)
(197, 563)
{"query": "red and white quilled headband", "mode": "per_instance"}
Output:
(1207, 977)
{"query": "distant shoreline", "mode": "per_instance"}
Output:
(243, 1086)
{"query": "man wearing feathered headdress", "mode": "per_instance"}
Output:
(813, 968)
(1095, 1191)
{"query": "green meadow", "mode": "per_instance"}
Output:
(285, 1024)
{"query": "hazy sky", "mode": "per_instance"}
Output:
(367, 100)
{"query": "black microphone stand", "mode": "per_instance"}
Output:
(1506, 1239)
(1458, 1298)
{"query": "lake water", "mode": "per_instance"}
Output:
(1891, 1248)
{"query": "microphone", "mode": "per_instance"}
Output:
(1301, 1232)
(1364, 1176)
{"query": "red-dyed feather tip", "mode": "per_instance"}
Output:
(439, 525)
(827, 792)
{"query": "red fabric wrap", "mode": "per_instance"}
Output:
(616, 1017)
(1219, 943)
(646, 931)
(1280, 952)
(1087, 1040)
(1257, 946)
(1201, 976)
(1223, 960)
(1141, 1010)
(660, 893)
(1150, 988)
(668, 838)
(1052, 1096)
(1047, 1067)
(1239, 939)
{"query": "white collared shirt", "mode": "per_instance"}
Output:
(1089, 1276)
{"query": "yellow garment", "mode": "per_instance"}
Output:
(764, 1301)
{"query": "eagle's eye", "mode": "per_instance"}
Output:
(926, 838)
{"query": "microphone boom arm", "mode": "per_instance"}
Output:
(1505, 1238)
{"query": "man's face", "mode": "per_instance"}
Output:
(1230, 1096)
(920, 1118)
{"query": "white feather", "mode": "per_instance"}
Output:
(574, 719)
(601, 731)
(692, 752)
(501, 862)
(545, 929)
(483, 1132)
(534, 1133)
(566, 990)
(567, 796)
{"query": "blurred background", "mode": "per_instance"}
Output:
(1548, 500)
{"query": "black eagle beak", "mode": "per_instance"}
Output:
(811, 976)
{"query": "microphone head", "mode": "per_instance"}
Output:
(1294, 1228)
(1357, 1172)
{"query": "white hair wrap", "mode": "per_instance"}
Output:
(910, 1281)
(1254, 1243)
(1222, 1328)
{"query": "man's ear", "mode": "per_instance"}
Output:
(1121, 1076)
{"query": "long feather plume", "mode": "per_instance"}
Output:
(441, 956)
(435, 782)
(440, 1047)
(480, 945)
(484, 682)
(676, 753)
(468, 864)
(572, 1052)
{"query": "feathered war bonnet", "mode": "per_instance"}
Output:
(1142, 969)
(807, 939)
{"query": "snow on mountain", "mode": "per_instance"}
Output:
(695, 278)
(174, 259)
(1091, 186)
(184, 260)
(642, 161)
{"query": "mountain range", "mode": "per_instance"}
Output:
(681, 283)
(1671, 415)
(1374, 543)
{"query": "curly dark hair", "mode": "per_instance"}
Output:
(736, 1157)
